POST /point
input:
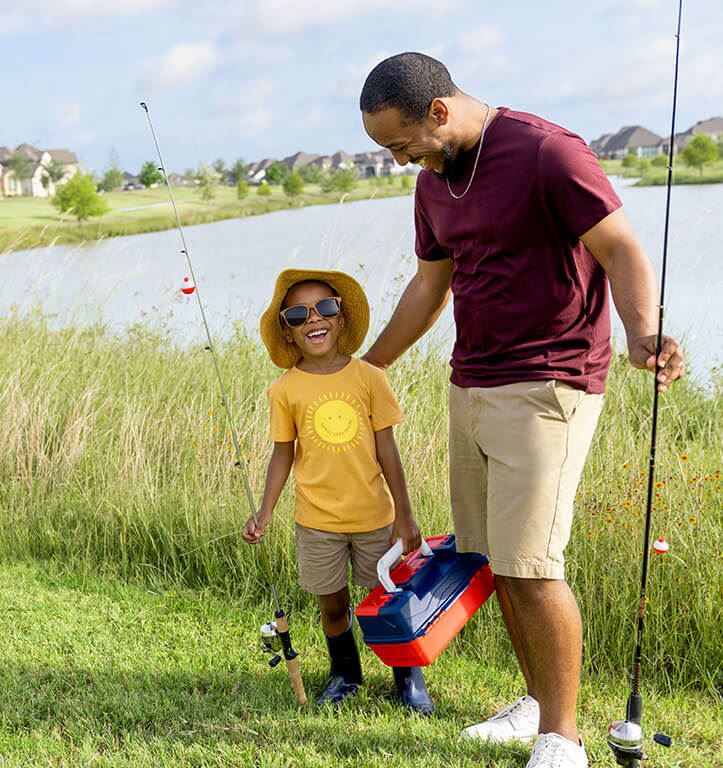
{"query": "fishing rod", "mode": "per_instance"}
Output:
(625, 737)
(275, 634)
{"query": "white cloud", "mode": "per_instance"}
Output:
(244, 98)
(15, 16)
(252, 123)
(182, 64)
(284, 17)
(477, 51)
(86, 137)
(476, 41)
(245, 109)
(350, 84)
(67, 115)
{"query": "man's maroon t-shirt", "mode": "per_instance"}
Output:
(530, 301)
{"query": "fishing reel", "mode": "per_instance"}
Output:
(625, 739)
(272, 642)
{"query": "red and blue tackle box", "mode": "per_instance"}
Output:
(416, 610)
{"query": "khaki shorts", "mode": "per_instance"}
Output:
(324, 558)
(516, 453)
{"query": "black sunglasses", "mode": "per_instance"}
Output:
(298, 314)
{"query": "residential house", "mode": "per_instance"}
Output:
(298, 160)
(31, 185)
(338, 161)
(178, 180)
(631, 139)
(712, 127)
(131, 181)
(257, 171)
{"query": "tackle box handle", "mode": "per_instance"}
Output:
(387, 560)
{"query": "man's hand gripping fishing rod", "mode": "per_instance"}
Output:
(275, 635)
(625, 737)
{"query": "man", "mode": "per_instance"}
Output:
(515, 218)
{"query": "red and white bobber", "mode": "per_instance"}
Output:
(188, 286)
(661, 546)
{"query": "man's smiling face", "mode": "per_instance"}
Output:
(426, 143)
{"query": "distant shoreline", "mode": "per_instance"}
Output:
(132, 213)
(136, 212)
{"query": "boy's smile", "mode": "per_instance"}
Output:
(318, 337)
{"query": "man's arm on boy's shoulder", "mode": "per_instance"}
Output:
(280, 463)
(405, 526)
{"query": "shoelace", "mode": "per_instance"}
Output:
(520, 709)
(552, 749)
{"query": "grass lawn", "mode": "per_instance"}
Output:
(131, 608)
(653, 176)
(99, 673)
(30, 222)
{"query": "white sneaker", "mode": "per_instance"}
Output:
(555, 751)
(519, 721)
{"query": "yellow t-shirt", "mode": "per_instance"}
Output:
(332, 418)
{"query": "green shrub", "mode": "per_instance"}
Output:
(293, 185)
(264, 189)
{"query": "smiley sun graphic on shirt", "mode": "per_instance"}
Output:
(333, 422)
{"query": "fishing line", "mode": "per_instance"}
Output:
(626, 738)
(275, 635)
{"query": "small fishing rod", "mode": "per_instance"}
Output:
(625, 737)
(275, 634)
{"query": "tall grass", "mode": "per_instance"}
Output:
(115, 457)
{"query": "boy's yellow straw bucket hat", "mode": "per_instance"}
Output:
(354, 309)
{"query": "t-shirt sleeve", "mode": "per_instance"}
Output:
(573, 182)
(281, 422)
(384, 408)
(425, 244)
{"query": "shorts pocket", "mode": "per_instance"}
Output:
(566, 398)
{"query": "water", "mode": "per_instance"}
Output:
(136, 279)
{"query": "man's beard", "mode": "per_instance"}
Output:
(450, 155)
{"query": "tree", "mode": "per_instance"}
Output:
(239, 171)
(219, 165)
(149, 174)
(344, 180)
(19, 164)
(54, 170)
(242, 189)
(630, 160)
(700, 151)
(264, 189)
(112, 179)
(78, 196)
(293, 185)
(311, 173)
(659, 161)
(276, 173)
(208, 179)
(113, 176)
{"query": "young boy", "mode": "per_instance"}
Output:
(332, 417)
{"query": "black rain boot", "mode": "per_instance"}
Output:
(345, 675)
(413, 690)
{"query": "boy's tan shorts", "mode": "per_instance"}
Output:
(516, 453)
(324, 558)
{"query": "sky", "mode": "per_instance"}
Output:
(256, 78)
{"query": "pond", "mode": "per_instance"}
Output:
(136, 279)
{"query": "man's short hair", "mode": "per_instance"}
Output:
(408, 82)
